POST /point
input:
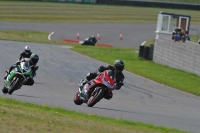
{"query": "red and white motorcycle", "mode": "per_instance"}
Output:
(104, 84)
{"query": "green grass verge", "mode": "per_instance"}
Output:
(70, 12)
(24, 117)
(175, 78)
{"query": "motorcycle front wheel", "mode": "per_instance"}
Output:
(5, 90)
(14, 85)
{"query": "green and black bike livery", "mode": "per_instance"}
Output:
(17, 77)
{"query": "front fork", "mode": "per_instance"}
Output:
(84, 93)
(9, 78)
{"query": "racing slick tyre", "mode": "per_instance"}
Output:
(5, 90)
(14, 85)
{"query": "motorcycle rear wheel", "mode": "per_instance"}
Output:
(96, 98)
(77, 99)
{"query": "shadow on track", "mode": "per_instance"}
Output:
(38, 97)
(118, 110)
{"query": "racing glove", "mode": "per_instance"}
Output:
(109, 67)
(101, 69)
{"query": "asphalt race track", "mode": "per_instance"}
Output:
(141, 99)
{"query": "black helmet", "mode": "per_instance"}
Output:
(119, 65)
(34, 59)
(27, 49)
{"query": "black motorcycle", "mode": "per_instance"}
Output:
(89, 41)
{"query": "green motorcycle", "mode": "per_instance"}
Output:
(17, 77)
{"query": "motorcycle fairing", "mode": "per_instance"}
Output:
(25, 68)
(84, 91)
(106, 80)
(22, 69)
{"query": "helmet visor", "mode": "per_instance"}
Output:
(27, 51)
(120, 68)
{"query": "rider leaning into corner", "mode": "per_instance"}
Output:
(115, 70)
(93, 40)
(25, 54)
(90, 41)
(32, 61)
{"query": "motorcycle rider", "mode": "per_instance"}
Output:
(116, 70)
(91, 40)
(34, 58)
(25, 54)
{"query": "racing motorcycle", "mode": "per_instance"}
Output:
(88, 41)
(17, 77)
(104, 84)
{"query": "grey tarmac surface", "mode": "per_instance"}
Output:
(140, 99)
(133, 34)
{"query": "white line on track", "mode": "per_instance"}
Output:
(49, 37)
(143, 43)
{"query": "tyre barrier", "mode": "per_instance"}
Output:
(146, 52)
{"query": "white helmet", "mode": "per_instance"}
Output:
(27, 49)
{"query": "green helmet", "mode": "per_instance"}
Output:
(34, 59)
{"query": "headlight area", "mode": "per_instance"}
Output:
(16, 69)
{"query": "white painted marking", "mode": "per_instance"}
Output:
(143, 43)
(49, 37)
(66, 47)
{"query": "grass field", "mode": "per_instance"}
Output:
(68, 12)
(18, 117)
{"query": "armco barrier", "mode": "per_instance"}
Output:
(150, 4)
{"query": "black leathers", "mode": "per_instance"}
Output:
(118, 76)
(24, 55)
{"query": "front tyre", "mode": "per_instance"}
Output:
(5, 90)
(77, 99)
(14, 85)
(96, 97)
